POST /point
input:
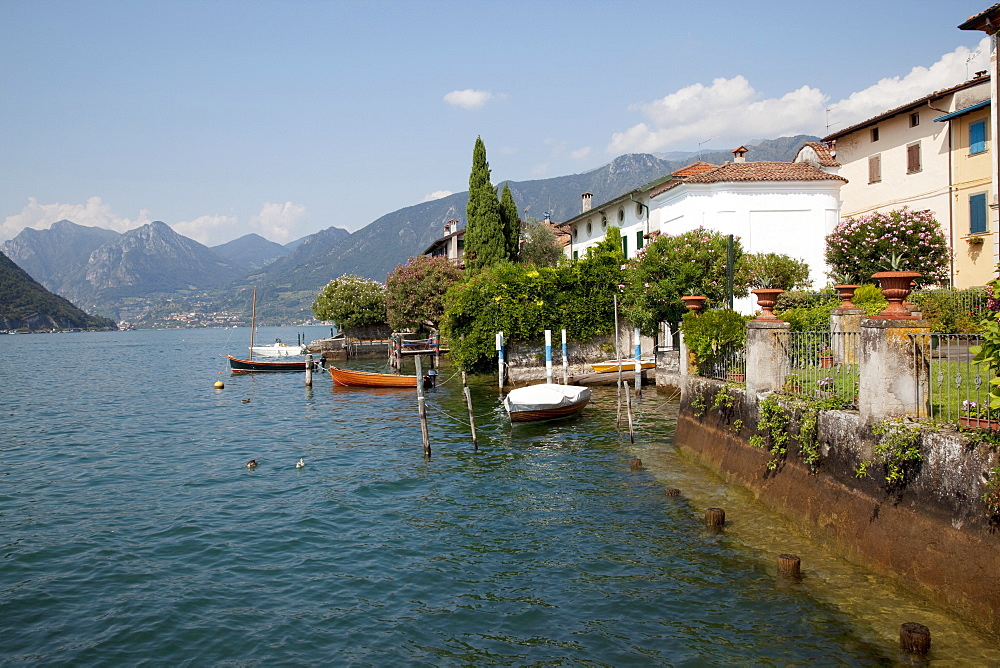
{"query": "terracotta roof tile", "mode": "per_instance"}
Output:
(753, 172)
(824, 154)
(694, 168)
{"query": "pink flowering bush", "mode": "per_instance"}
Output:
(691, 263)
(859, 247)
(414, 296)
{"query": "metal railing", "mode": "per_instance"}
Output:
(959, 389)
(729, 364)
(823, 364)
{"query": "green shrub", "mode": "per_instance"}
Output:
(708, 334)
(948, 311)
(869, 298)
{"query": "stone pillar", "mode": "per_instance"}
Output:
(768, 363)
(845, 324)
(894, 374)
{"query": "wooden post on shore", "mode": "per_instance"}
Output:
(548, 356)
(472, 417)
(628, 409)
(437, 349)
(914, 638)
(715, 517)
(309, 370)
(788, 565)
(421, 409)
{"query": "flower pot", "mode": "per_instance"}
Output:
(766, 299)
(846, 293)
(735, 377)
(895, 286)
(979, 423)
(826, 361)
(694, 303)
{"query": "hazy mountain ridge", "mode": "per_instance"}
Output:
(26, 304)
(251, 251)
(51, 256)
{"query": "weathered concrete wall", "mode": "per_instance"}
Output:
(932, 534)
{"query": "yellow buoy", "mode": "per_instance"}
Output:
(219, 385)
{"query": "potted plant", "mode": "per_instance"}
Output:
(793, 384)
(896, 284)
(694, 303)
(770, 274)
(736, 374)
(845, 284)
(978, 417)
(825, 355)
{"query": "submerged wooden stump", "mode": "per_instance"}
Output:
(788, 565)
(672, 491)
(715, 517)
(636, 464)
(914, 638)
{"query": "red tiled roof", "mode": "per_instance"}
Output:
(981, 21)
(754, 172)
(693, 168)
(826, 158)
(907, 107)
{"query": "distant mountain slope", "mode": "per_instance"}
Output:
(149, 260)
(51, 256)
(251, 251)
(26, 304)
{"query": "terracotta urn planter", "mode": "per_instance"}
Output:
(846, 293)
(896, 286)
(766, 299)
(826, 361)
(694, 303)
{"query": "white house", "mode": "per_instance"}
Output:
(773, 207)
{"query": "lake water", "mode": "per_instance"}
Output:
(133, 533)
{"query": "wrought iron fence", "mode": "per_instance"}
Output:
(729, 363)
(958, 389)
(823, 364)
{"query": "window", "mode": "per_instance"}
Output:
(875, 169)
(638, 209)
(977, 214)
(590, 228)
(625, 246)
(576, 233)
(621, 215)
(604, 221)
(874, 134)
(913, 158)
(576, 255)
(638, 240)
(977, 137)
(914, 120)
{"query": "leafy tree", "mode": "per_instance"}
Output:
(485, 238)
(351, 302)
(415, 291)
(691, 263)
(864, 245)
(713, 332)
(511, 223)
(772, 270)
(541, 247)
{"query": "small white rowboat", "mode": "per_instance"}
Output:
(545, 401)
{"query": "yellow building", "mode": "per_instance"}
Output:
(974, 238)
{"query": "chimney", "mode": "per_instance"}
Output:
(548, 218)
(588, 199)
(450, 226)
(740, 154)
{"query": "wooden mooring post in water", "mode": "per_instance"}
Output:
(421, 408)
(309, 370)
(472, 417)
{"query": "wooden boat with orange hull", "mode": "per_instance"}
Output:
(545, 401)
(255, 366)
(351, 378)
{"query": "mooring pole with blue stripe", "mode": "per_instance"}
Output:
(638, 361)
(548, 356)
(500, 354)
(565, 360)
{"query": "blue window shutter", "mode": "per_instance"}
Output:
(977, 213)
(977, 137)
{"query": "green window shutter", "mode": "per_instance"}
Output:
(625, 246)
(638, 240)
(977, 214)
(977, 137)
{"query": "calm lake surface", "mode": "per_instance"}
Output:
(133, 533)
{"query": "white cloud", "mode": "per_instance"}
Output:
(580, 153)
(469, 98)
(280, 223)
(437, 194)
(94, 213)
(732, 110)
(209, 230)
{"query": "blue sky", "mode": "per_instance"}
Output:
(283, 118)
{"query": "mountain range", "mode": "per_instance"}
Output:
(151, 272)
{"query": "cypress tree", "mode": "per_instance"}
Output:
(511, 223)
(485, 241)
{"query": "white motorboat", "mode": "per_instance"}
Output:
(545, 401)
